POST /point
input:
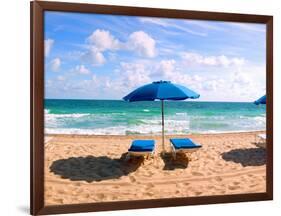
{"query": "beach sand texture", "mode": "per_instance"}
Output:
(87, 169)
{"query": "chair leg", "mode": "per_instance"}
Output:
(174, 155)
(127, 157)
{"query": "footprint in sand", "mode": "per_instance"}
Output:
(210, 187)
(116, 187)
(150, 194)
(196, 173)
(233, 187)
(178, 185)
(222, 191)
(150, 185)
(49, 195)
(86, 195)
(100, 196)
(61, 191)
(253, 185)
(132, 179)
(58, 201)
(80, 190)
(114, 197)
(49, 188)
(148, 174)
(218, 178)
(197, 193)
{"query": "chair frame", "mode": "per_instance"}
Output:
(185, 151)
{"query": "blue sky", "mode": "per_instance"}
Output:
(92, 56)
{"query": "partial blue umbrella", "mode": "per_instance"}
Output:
(261, 100)
(161, 90)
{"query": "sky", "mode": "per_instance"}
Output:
(94, 56)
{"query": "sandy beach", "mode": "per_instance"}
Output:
(86, 169)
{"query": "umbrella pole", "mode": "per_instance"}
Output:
(162, 108)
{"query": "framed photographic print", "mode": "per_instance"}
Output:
(141, 107)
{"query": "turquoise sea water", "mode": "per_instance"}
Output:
(120, 117)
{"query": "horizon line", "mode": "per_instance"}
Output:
(156, 100)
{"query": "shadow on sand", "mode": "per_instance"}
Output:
(181, 161)
(246, 157)
(93, 168)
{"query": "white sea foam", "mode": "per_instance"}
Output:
(223, 132)
(260, 119)
(73, 115)
(181, 123)
(54, 120)
(181, 114)
(149, 127)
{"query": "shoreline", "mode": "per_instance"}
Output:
(156, 135)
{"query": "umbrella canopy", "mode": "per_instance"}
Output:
(161, 90)
(261, 100)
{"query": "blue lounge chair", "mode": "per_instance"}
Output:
(141, 148)
(184, 145)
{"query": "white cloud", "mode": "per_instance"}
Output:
(48, 44)
(238, 61)
(94, 78)
(142, 43)
(166, 23)
(134, 74)
(260, 28)
(156, 21)
(60, 78)
(208, 25)
(241, 79)
(165, 69)
(245, 83)
(213, 85)
(99, 41)
(81, 69)
(167, 66)
(94, 57)
(73, 55)
(55, 64)
(193, 58)
(103, 40)
(243, 86)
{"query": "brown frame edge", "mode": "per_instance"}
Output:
(37, 106)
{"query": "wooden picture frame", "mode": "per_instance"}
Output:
(37, 106)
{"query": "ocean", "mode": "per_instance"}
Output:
(114, 117)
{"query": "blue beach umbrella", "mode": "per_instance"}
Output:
(261, 100)
(161, 90)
